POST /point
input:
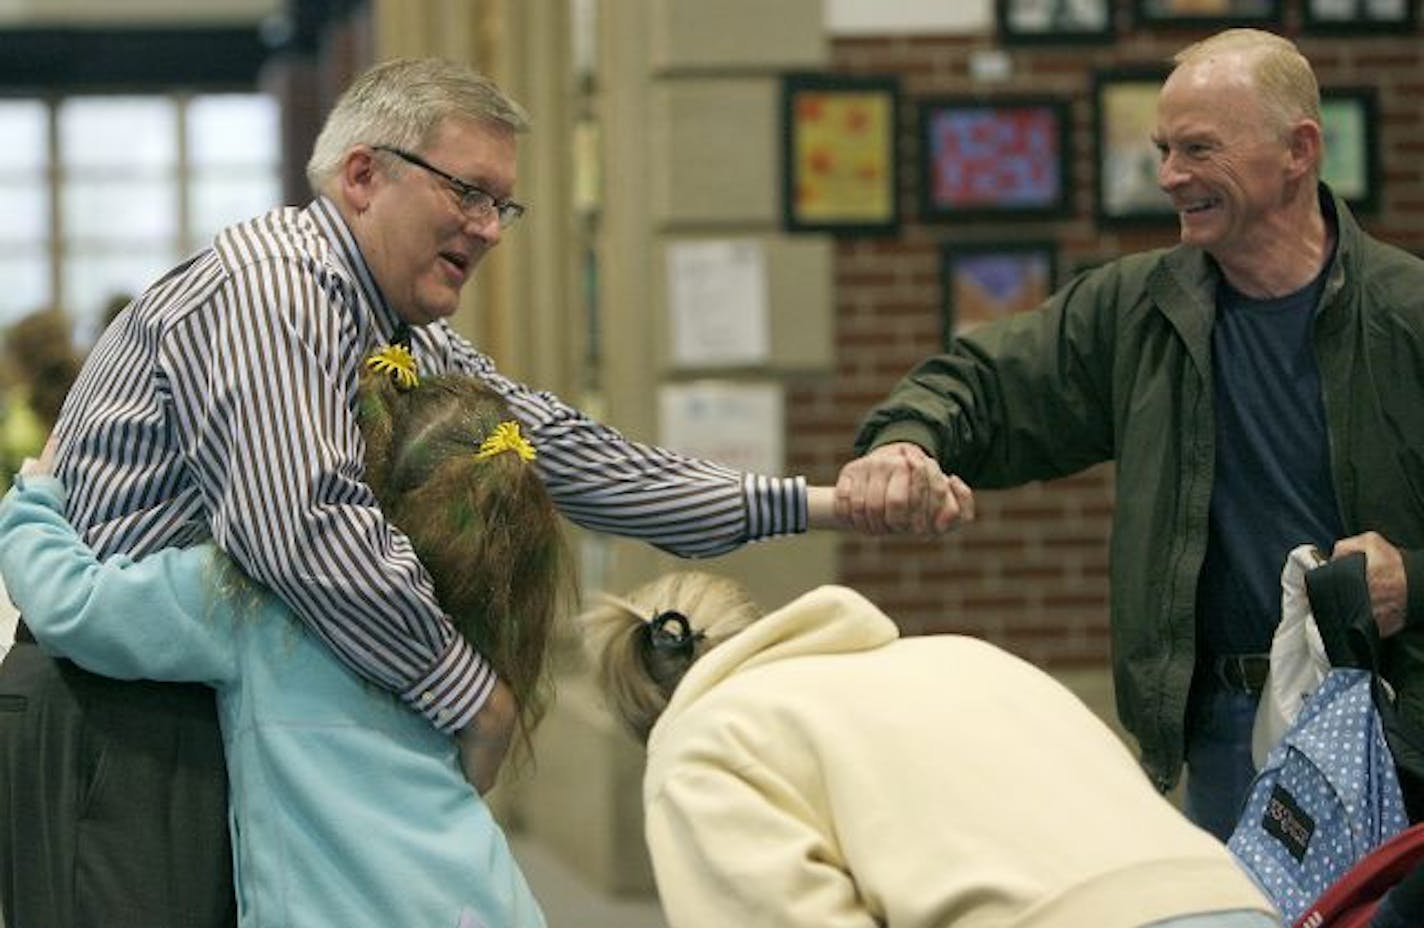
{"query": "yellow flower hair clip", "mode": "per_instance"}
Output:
(397, 362)
(505, 437)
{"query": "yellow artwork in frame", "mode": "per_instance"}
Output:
(839, 159)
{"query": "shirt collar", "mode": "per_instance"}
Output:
(345, 250)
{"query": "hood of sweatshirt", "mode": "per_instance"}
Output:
(827, 620)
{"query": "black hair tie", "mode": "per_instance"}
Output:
(670, 632)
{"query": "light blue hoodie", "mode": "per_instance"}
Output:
(345, 807)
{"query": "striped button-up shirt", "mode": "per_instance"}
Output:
(220, 404)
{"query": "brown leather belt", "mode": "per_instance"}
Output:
(1242, 672)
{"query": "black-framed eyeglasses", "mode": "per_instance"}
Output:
(475, 202)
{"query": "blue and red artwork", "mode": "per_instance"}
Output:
(996, 158)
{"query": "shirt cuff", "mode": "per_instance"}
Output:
(775, 505)
(455, 690)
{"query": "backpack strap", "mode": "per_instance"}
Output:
(1339, 593)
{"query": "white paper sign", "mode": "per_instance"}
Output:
(717, 303)
(741, 425)
(891, 17)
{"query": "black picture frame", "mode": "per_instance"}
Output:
(1352, 153)
(1358, 17)
(984, 281)
(1125, 159)
(840, 154)
(1054, 22)
(1193, 13)
(1007, 157)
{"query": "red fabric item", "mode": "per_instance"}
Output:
(1351, 900)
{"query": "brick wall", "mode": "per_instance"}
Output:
(1031, 574)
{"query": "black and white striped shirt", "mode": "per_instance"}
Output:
(220, 405)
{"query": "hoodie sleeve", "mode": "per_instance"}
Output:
(147, 619)
(742, 848)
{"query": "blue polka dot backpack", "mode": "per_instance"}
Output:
(1330, 791)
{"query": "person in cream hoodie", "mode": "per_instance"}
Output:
(811, 767)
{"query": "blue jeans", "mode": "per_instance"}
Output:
(1219, 766)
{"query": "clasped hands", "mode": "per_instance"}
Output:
(898, 488)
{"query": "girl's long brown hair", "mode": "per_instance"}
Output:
(485, 530)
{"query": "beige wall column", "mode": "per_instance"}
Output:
(541, 329)
(514, 309)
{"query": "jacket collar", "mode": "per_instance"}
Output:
(1184, 284)
(1349, 239)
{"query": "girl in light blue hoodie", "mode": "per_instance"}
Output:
(346, 808)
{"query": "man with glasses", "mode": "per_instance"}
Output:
(221, 404)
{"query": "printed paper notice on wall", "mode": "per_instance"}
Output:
(717, 303)
(741, 425)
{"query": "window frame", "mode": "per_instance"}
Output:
(181, 65)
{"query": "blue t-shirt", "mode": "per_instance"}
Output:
(1272, 489)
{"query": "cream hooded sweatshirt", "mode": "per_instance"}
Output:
(816, 770)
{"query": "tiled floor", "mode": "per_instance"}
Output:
(569, 902)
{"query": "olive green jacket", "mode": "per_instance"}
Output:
(1117, 366)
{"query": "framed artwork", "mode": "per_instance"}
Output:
(1339, 16)
(1209, 12)
(1125, 114)
(1006, 157)
(839, 154)
(1033, 22)
(983, 282)
(1351, 165)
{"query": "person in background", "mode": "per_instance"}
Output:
(221, 405)
(812, 768)
(115, 304)
(449, 467)
(1257, 386)
(41, 364)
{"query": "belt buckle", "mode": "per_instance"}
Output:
(1245, 672)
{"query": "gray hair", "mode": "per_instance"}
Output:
(402, 103)
(1282, 76)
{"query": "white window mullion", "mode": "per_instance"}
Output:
(184, 178)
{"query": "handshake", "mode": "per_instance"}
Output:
(899, 489)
